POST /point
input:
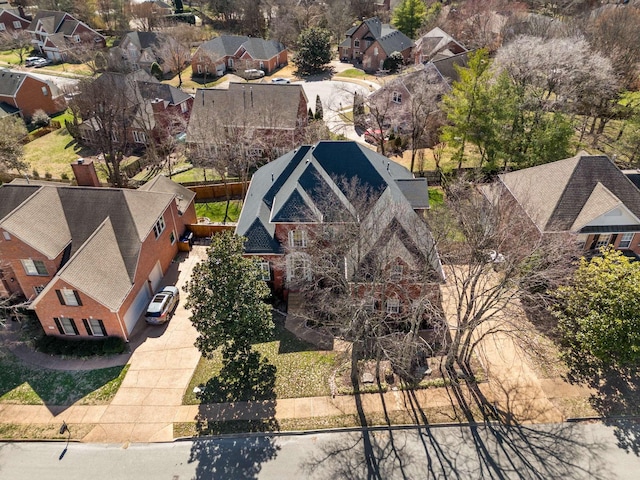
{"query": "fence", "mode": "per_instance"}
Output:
(208, 229)
(218, 190)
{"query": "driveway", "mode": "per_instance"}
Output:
(160, 370)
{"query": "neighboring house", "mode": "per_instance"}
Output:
(158, 7)
(231, 53)
(436, 44)
(89, 259)
(584, 195)
(371, 42)
(269, 111)
(11, 21)
(153, 108)
(140, 50)
(28, 94)
(289, 198)
(57, 35)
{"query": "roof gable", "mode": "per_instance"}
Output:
(295, 210)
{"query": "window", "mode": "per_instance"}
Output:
(199, 68)
(17, 24)
(625, 241)
(76, 38)
(300, 268)
(603, 241)
(230, 63)
(356, 43)
(94, 327)
(254, 152)
(396, 272)
(139, 137)
(184, 107)
(369, 304)
(393, 305)
(66, 326)
(298, 238)
(266, 271)
(2, 27)
(375, 51)
(114, 136)
(396, 97)
(34, 267)
(158, 228)
(45, 91)
(6, 236)
(172, 237)
(38, 289)
(69, 297)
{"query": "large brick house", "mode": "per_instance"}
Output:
(57, 35)
(275, 115)
(231, 53)
(89, 259)
(28, 94)
(141, 50)
(436, 44)
(586, 195)
(369, 43)
(11, 21)
(291, 198)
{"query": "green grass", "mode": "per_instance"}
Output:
(53, 153)
(10, 56)
(196, 175)
(214, 211)
(436, 196)
(20, 384)
(352, 73)
(301, 371)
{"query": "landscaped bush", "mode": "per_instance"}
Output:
(80, 347)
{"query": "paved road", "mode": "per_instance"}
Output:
(564, 451)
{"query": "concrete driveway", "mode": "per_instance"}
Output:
(161, 367)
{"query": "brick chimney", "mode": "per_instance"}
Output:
(85, 173)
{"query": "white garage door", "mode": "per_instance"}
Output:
(155, 277)
(137, 308)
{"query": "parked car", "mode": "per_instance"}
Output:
(162, 306)
(373, 136)
(253, 73)
(41, 62)
(30, 61)
(280, 80)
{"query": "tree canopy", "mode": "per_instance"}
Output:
(408, 16)
(599, 314)
(225, 295)
(314, 51)
(12, 131)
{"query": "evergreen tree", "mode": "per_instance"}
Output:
(408, 16)
(314, 51)
(319, 112)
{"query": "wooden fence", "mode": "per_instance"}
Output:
(208, 229)
(219, 191)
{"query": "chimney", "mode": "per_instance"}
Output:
(85, 172)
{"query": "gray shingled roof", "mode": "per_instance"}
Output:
(284, 183)
(416, 190)
(162, 184)
(101, 228)
(253, 105)
(227, 45)
(168, 93)
(260, 49)
(567, 194)
(143, 40)
(10, 82)
(390, 39)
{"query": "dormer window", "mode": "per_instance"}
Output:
(396, 97)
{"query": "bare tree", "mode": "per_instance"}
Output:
(495, 259)
(144, 15)
(19, 41)
(174, 50)
(12, 132)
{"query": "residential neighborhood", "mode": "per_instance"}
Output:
(295, 218)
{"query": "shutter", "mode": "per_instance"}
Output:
(104, 330)
(75, 292)
(73, 325)
(86, 326)
(59, 325)
(60, 297)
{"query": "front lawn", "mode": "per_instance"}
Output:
(52, 153)
(301, 370)
(24, 385)
(214, 211)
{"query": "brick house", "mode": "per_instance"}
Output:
(290, 200)
(57, 34)
(269, 111)
(89, 259)
(140, 50)
(152, 108)
(231, 53)
(11, 21)
(369, 44)
(436, 44)
(585, 195)
(28, 94)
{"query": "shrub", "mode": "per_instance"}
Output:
(156, 71)
(80, 347)
(48, 175)
(35, 173)
(40, 118)
(64, 176)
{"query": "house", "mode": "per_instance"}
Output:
(57, 35)
(278, 112)
(231, 53)
(28, 94)
(290, 198)
(89, 259)
(140, 50)
(148, 107)
(11, 21)
(369, 43)
(436, 44)
(586, 195)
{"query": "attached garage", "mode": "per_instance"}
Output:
(137, 308)
(155, 277)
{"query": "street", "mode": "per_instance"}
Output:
(568, 451)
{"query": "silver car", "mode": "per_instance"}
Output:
(162, 306)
